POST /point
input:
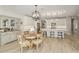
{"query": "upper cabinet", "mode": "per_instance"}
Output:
(53, 25)
(10, 23)
(5, 23)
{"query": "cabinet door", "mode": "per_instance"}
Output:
(5, 23)
(4, 38)
(1, 23)
(12, 23)
(12, 37)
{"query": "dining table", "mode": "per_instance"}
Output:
(30, 38)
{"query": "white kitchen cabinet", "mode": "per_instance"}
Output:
(9, 22)
(1, 23)
(55, 32)
(7, 37)
(3, 38)
(10, 27)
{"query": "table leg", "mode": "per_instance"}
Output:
(31, 45)
(37, 45)
(21, 49)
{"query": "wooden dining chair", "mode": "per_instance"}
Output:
(44, 33)
(52, 34)
(60, 34)
(37, 42)
(23, 43)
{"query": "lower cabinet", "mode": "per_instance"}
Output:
(53, 32)
(7, 37)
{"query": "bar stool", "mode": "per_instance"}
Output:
(60, 35)
(44, 34)
(52, 34)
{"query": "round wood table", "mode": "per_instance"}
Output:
(34, 37)
(30, 38)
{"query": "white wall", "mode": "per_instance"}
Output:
(27, 23)
(76, 25)
(68, 24)
(7, 12)
(60, 23)
(77, 22)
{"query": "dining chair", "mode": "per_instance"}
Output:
(44, 33)
(60, 34)
(23, 43)
(38, 41)
(52, 34)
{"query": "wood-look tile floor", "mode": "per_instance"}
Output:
(70, 44)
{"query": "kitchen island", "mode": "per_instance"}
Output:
(6, 37)
(54, 32)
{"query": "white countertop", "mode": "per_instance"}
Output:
(57, 29)
(8, 31)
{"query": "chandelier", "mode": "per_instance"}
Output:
(36, 14)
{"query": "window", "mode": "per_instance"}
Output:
(53, 25)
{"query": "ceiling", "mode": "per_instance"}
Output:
(45, 10)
